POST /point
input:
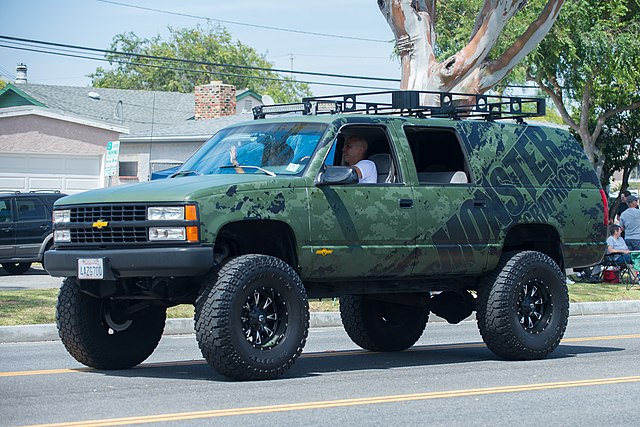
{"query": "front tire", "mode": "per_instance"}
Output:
(382, 326)
(252, 320)
(97, 333)
(16, 267)
(523, 306)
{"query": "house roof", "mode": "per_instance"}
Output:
(247, 92)
(199, 130)
(136, 109)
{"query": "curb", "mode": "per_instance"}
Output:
(49, 332)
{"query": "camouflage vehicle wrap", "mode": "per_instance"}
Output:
(264, 216)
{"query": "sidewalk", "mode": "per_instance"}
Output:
(48, 332)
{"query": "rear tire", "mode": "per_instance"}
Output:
(16, 267)
(252, 319)
(523, 306)
(96, 334)
(382, 326)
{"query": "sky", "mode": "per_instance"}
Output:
(94, 23)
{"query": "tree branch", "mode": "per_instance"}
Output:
(538, 29)
(610, 113)
(490, 22)
(555, 93)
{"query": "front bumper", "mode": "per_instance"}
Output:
(142, 262)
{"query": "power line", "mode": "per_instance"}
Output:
(191, 61)
(264, 27)
(219, 73)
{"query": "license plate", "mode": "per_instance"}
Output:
(90, 268)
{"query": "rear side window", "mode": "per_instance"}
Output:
(31, 209)
(437, 155)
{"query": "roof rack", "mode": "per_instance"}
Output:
(414, 103)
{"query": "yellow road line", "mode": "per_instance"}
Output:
(183, 416)
(337, 353)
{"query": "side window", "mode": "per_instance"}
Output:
(379, 151)
(5, 210)
(437, 155)
(31, 209)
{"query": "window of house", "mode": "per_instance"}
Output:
(248, 104)
(128, 169)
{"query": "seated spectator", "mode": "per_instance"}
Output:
(616, 245)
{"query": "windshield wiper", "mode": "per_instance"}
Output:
(187, 172)
(266, 172)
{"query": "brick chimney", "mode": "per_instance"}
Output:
(215, 100)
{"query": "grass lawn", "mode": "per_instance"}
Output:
(38, 305)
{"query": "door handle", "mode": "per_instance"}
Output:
(406, 203)
(44, 227)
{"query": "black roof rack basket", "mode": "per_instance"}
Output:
(415, 103)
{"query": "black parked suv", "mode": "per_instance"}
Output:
(25, 228)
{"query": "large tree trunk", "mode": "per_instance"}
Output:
(469, 70)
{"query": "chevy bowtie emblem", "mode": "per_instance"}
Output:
(100, 223)
(324, 251)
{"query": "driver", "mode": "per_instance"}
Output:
(354, 153)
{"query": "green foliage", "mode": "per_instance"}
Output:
(593, 45)
(2, 84)
(204, 47)
(620, 144)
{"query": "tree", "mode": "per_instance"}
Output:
(476, 67)
(137, 65)
(619, 142)
(589, 67)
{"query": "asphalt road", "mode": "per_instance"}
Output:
(449, 378)
(35, 278)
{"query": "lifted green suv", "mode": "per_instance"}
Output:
(469, 214)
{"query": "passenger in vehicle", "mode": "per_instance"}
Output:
(354, 153)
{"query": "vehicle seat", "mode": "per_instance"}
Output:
(451, 177)
(277, 155)
(384, 166)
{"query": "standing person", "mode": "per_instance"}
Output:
(623, 204)
(354, 153)
(630, 223)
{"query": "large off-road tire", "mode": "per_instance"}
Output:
(523, 306)
(16, 267)
(382, 326)
(252, 318)
(97, 335)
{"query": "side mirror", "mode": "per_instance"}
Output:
(337, 175)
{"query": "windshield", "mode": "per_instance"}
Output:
(263, 148)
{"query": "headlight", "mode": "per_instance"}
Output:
(62, 236)
(159, 213)
(62, 216)
(167, 233)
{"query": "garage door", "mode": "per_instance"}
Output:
(69, 174)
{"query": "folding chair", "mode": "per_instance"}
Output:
(628, 273)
